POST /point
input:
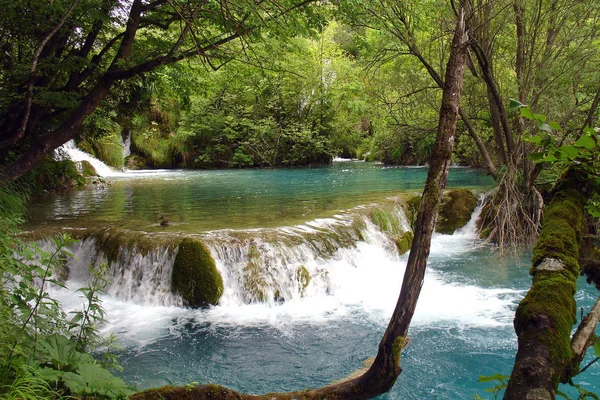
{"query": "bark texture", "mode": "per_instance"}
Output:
(545, 317)
(384, 371)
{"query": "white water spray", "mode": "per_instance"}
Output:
(354, 275)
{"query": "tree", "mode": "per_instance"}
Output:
(59, 66)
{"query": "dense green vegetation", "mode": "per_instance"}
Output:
(237, 84)
(45, 353)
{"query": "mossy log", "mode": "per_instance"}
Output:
(545, 317)
(195, 276)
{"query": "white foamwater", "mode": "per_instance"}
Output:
(360, 279)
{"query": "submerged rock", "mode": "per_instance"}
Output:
(456, 210)
(195, 276)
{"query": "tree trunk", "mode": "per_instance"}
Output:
(545, 317)
(384, 371)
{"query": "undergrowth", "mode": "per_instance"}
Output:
(44, 352)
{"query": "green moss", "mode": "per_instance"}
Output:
(112, 241)
(195, 276)
(456, 210)
(404, 242)
(411, 208)
(109, 150)
(386, 220)
(51, 174)
(135, 161)
(551, 300)
(87, 169)
(397, 347)
(255, 284)
(303, 277)
(547, 313)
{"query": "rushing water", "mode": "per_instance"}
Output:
(463, 323)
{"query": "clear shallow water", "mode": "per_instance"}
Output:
(196, 201)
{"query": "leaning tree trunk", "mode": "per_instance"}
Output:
(384, 371)
(545, 317)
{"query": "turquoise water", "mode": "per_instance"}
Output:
(462, 326)
(447, 353)
(196, 201)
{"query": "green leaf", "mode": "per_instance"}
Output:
(51, 374)
(526, 112)
(585, 141)
(550, 158)
(561, 394)
(597, 349)
(555, 126)
(540, 118)
(515, 104)
(495, 377)
(570, 152)
(545, 127)
(536, 157)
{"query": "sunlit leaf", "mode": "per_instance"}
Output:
(585, 141)
(526, 112)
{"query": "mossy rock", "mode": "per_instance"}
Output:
(456, 210)
(404, 242)
(195, 276)
(303, 277)
(87, 169)
(136, 161)
(386, 220)
(255, 284)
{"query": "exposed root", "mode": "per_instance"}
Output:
(510, 217)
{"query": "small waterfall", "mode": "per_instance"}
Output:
(70, 151)
(126, 143)
(258, 266)
(140, 277)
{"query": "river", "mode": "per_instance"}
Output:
(463, 322)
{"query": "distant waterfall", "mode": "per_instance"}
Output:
(126, 143)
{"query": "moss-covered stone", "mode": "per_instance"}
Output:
(111, 242)
(195, 276)
(404, 242)
(87, 169)
(456, 210)
(386, 220)
(303, 277)
(136, 161)
(256, 287)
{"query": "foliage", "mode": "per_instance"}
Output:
(45, 353)
(582, 149)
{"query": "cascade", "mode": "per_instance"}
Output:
(324, 267)
(70, 151)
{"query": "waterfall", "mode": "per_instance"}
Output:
(353, 266)
(126, 143)
(70, 151)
